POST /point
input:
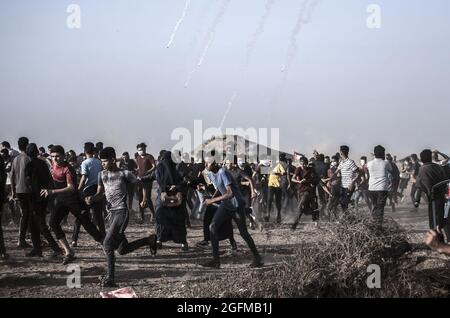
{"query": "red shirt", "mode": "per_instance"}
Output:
(304, 173)
(62, 175)
(144, 164)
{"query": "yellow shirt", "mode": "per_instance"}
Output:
(274, 180)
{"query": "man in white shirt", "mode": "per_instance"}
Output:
(380, 176)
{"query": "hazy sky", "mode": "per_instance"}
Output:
(114, 79)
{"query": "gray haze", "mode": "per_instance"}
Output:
(114, 79)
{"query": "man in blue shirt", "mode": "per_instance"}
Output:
(232, 206)
(90, 168)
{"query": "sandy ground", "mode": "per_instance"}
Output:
(167, 273)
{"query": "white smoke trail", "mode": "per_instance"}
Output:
(205, 50)
(177, 25)
(250, 48)
(209, 37)
(292, 50)
(259, 30)
(230, 104)
(309, 12)
(304, 17)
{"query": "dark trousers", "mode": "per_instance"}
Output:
(115, 239)
(345, 197)
(364, 193)
(304, 206)
(39, 227)
(94, 213)
(416, 193)
(274, 192)
(439, 214)
(131, 190)
(220, 217)
(378, 199)
(224, 232)
(322, 198)
(71, 203)
(288, 199)
(2, 242)
(393, 194)
(25, 214)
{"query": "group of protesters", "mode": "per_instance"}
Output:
(41, 187)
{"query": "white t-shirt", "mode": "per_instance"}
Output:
(380, 172)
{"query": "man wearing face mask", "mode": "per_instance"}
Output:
(145, 167)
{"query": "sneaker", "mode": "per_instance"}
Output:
(159, 245)
(69, 259)
(153, 244)
(278, 219)
(34, 253)
(74, 244)
(257, 263)
(4, 256)
(211, 264)
(294, 226)
(203, 244)
(184, 247)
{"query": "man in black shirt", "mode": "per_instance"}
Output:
(430, 174)
(39, 177)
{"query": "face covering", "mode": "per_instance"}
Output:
(333, 164)
(141, 152)
(363, 163)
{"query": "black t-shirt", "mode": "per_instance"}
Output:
(39, 175)
(2, 181)
(129, 165)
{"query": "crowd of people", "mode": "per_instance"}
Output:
(41, 187)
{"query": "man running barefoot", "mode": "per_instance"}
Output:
(112, 183)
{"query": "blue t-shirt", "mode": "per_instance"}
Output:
(90, 168)
(221, 180)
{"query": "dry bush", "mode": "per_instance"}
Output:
(334, 266)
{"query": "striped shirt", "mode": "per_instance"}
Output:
(348, 170)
